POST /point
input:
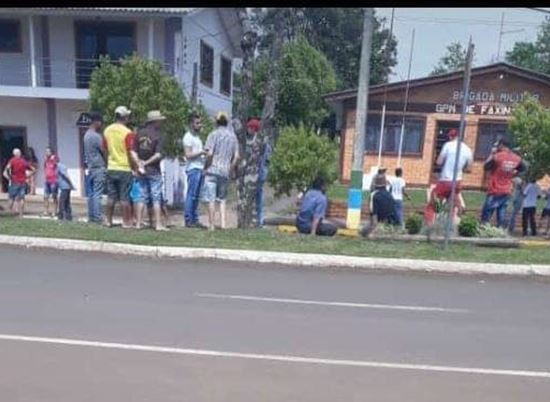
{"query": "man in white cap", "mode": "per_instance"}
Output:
(147, 154)
(222, 152)
(117, 144)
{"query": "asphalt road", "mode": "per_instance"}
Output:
(85, 327)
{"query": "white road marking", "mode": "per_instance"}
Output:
(334, 304)
(277, 358)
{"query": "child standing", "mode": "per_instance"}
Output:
(398, 185)
(530, 195)
(65, 186)
(546, 213)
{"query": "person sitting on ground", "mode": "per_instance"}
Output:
(50, 182)
(147, 154)
(222, 153)
(443, 187)
(503, 165)
(65, 186)
(397, 186)
(16, 172)
(382, 205)
(311, 216)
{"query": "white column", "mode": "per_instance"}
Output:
(151, 36)
(32, 51)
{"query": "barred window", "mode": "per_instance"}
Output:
(413, 135)
(207, 65)
(487, 134)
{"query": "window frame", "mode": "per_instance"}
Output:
(422, 119)
(19, 48)
(477, 156)
(202, 80)
(222, 90)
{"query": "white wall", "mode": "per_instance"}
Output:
(68, 148)
(205, 25)
(31, 114)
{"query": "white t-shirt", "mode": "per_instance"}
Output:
(448, 152)
(397, 186)
(194, 142)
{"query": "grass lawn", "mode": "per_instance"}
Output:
(257, 239)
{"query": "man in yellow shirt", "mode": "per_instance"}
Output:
(117, 144)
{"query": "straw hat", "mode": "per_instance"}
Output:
(154, 115)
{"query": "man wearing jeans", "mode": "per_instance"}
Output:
(194, 154)
(94, 155)
(147, 154)
(503, 165)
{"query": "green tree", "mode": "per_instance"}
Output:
(299, 157)
(337, 33)
(142, 85)
(304, 75)
(453, 60)
(530, 129)
(533, 55)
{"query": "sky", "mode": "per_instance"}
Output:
(435, 28)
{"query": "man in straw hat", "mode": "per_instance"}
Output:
(222, 152)
(147, 154)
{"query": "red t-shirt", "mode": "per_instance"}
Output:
(19, 167)
(500, 180)
(50, 169)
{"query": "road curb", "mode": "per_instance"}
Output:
(276, 257)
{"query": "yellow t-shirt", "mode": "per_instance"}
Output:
(118, 143)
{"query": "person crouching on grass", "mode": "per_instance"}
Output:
(147, 154)
(65, 186)
(310, 219)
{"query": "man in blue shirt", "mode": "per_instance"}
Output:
(313, 210)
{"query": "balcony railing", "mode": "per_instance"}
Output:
(50, 72)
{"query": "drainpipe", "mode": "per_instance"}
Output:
(32, 51)
(151, 38)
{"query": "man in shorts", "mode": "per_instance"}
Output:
(147, 154)
(222, 152)
(117, 144)
(50, 182)
(443, 187)
(17, 170)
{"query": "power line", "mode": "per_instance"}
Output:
(526, 24)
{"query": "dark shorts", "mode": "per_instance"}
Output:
(17, 191)
(50, 189)
(118, 185)
(214, 188)
(545, 212)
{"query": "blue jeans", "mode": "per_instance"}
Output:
(516, 208)
(399, 211)
(259, 203)
(150, 190)
(498, 203)
(194, 182)
(97, 187)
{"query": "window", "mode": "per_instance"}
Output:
(225, 76)
(99, 38)
(207, 65)
(413, 135)
(10, 36)
(487, 134)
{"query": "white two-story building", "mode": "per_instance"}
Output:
(47, 56)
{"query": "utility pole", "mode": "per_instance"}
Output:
(466, 92)
(355, 192)
(502, 33)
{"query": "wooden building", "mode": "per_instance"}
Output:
(434, 107)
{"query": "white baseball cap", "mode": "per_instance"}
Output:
(123, 111)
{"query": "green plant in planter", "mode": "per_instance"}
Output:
(468, 227)
(413, 224)
(491, 232)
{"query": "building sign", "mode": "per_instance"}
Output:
(487, 109)
(84, 120)
(492, 96)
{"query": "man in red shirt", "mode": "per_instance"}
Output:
(50, 181)
(16, 172)
(503, 165)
